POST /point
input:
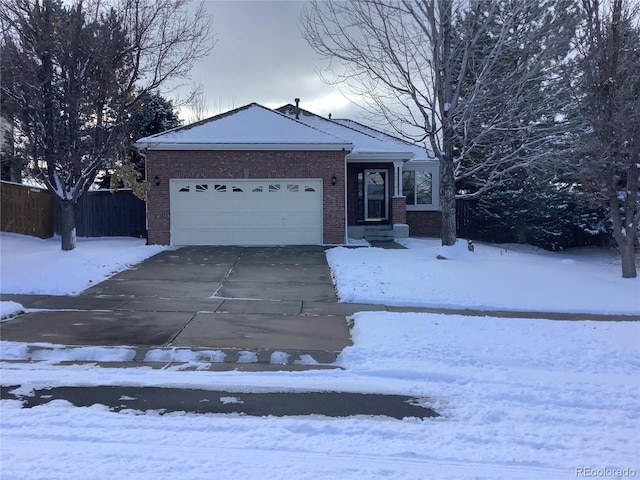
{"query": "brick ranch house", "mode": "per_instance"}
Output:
(256, 176)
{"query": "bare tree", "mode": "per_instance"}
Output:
(10, 165)
(78, 68)
(456, 76)
(200, 107)
(609, 95)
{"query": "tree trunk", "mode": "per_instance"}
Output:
(445, 94)
(622, 216)
(68, 225)
(448, 202)
(628, 257)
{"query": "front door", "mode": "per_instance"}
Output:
(376, 198)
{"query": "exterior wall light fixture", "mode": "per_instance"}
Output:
(334, 180)
(156, 180)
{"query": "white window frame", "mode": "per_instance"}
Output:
(434, 170)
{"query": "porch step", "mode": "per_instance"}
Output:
(378, 233)
(372, 239)
(386, 244)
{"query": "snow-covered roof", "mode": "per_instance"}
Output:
(421, 154)
(255, 127)
(250, 127)
(364, 143)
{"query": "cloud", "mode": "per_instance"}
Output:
(260, 56)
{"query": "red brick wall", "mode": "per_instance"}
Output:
(425, 224)
(244, 164)
(398, 209)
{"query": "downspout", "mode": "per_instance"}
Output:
(346, 215)
(143, 153)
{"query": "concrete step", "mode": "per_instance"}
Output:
(378, 234)
(378, 238)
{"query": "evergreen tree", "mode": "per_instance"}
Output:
(151, 115)
(609, 97)
(527, 106)
(537, 212)
(536, 201)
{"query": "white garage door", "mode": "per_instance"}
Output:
(246, 212)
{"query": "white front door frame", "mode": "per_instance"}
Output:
(376, 196)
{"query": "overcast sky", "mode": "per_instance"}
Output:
(260, 56)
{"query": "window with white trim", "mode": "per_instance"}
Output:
(417, 186)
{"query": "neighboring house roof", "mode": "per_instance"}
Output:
(251, 127)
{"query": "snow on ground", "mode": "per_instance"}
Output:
(9, 310)
(507, 277)
(520, 398)
(35, 266)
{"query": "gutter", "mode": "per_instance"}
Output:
(245, 146)
(361, 157)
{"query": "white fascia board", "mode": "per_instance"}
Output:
(245, 146)
(417, 164)
(379, 157)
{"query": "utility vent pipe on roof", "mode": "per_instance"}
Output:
(297, 100)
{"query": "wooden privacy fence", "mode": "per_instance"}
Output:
(26, 210)
(103, 213)
(99, 213)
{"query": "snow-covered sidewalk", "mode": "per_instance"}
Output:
(520, 398)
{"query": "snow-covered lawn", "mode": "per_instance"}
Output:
(35, 266)
(520, 398)
(507, 277)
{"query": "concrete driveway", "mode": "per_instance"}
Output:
(235, 299)
(298, 273)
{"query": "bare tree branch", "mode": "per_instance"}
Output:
(468, 78)
(609, 95)
(77, 69)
